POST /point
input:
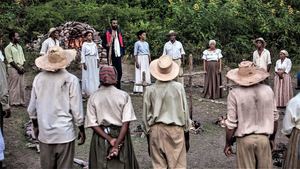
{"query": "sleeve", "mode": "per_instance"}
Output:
(136, 46)
(97, 51)
(128, 112)
(276, 66)
(44, 48)
(182, 52)
(188, 121)
(165, 50)
(231, 121)
(91, 117)
(8, 54)
(32, 103)
(147, 114)
(204, 55)
(276, 112)
(220, 56)
(83, 54)
(288, 66)
(22, 54)
(288, 122)
(76, 102)
(254, 58)
(269, 58)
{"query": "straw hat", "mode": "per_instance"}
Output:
(247, 74)
(51, 30)
(172, 32)
(164, 68)
(260, 39)
(56, 58)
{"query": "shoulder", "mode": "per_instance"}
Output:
(265, 88)
(8, 46)
(288, 60)
(267, 51)
(205, 52)
(218, 50)
(179, 43)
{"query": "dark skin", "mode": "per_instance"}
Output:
(114, 26)
(89, 38)
(212, 47)
(55, 35)
(172, 38)
(142, 38)
(280, 73)
(15, 40)
(260, 48)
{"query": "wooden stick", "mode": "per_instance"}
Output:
(193, 74)
(191, 86)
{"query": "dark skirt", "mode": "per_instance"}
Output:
(100, 148)
(292, 160)
(212, 81)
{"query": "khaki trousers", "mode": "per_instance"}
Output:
(167, 147)
(57, 156)
(253, 152)
(179, 79)
(16, 87)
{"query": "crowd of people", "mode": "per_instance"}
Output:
(56, 103)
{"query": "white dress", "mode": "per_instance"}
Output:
(90, 77)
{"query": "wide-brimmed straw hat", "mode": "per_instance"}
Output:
(172, 32)
(261, 40)
(164, 68)
(56, 58)
(51, 30)
(247, 74)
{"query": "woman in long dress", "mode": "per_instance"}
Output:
(212, 63)
(90, 65)
(282, 81)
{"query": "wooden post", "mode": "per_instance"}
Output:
(191, 85)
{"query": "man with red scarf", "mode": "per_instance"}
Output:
(113, 42)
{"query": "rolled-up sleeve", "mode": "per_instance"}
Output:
(231, 121)
(91, 118)
(8, 54)
(32, 103)
(128, 112)
(76, 103)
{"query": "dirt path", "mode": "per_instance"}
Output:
(206, 149)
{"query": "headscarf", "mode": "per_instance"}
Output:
(108, 75)
(285, 53)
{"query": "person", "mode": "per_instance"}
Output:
(142, 60)
(113, 42)
(90, 65)
(212, 64)
(15, 59)
(54, 119)
(291, 128)
(262, 56)
(52, 40)
(109, 113)
(282, 81)
(166, 117)
(251, 117)
(174, 49)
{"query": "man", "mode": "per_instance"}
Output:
(15, 59)
(109, 113)
(53, 40)
(262, 56)
(175, 49)
(113, 42)
(291, 128)
(55, 106)
(166, 116)
(251, 117)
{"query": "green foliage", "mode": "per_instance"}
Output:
(233, 23)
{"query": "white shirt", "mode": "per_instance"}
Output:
(175, 50)
(47, 44)
(292, 116)
(215, 55)
(263, 60)
(89, 49)
(286, 65)
(56, 103)
(1, 56)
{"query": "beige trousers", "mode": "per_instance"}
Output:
(253, 152)
(57, 156)
(167, 147)
(16, 87)
(179, 79)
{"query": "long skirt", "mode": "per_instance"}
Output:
(292, 160)
(144, 67)
(16, 87)
(100, 148)
(283, 89)
(212, 81)
(90, 77)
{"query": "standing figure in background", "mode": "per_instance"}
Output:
(15, 59)
(113, 42)
(90, 65)
(174, 49)
(53, 40)
(262, 56)
(212, 64)
(142, 60)
(282, 81)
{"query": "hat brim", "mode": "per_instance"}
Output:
(154, 70)
(173, 33)
(259, 75)
(42, 62)
(263, 42)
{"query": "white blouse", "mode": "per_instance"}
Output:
(89, 49)
(286, 65)
(212, 55)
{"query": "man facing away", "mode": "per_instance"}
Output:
(166, 116)
(251, 117)
(113, 42)
(55, 105)
(52, 40)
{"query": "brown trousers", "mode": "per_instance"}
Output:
(167, 147)
(179, 79)
(254, 151)
(57, 156)
(16, 87)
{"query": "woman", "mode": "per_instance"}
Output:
(142, 60)
(282, 81)
(90, 65)
(212, 64)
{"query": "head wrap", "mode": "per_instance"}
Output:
(285, 53)
(108, 75)
(212, 42)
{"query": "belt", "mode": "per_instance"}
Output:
(261, 134)
(177, 59)
(212, 61)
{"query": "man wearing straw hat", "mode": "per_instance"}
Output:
(174, 49)
(166, 116)
(52, 40)
(251, 117)
(262, 56)
(55, 106)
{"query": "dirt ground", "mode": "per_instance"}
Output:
(206, 148)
